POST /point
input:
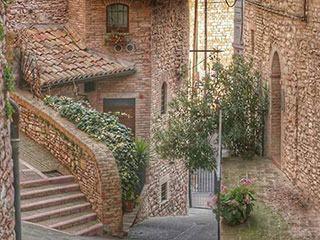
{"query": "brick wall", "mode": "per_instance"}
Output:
(220, 29)
(38, 11)
(6, 163)
(93, 32)
(89, 161)
(297, 43)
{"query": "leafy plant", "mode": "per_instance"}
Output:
(244, 101)
(107, 129)
(236, 205)
(193, 116)
(185, 132)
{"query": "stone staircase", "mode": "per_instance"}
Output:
(57, 203)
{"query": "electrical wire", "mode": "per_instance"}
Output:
(231, 5)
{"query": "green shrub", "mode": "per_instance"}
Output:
(236, 204)
(106, 128)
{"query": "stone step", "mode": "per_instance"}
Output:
(49, 191)
(73, 221)
(45, 203)
(94, 230)
(53, 180)
(57, 212)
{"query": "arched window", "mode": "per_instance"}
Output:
(117, 18)
(164, 98)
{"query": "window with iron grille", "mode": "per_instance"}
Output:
(164, 191)
(164, 98)
(118, 18)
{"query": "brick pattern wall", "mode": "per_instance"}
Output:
(89, 161)
(220, 29)
(170, 46)
(297, 43)
(93, 34)
(38, 11)
(6, 164)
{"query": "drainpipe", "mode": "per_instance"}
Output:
(15, 141)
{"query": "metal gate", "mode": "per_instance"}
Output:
(202, 183)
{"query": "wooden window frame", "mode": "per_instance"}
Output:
(117, 29)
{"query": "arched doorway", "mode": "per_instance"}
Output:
(275, 114)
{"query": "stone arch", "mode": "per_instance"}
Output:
(125, 2)
(275, 125)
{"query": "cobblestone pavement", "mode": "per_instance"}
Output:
(279, 212)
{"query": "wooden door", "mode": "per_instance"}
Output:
(123, 105)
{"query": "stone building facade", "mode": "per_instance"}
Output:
(282, 38)
(146, 70)
(220, 25)
(6, 163)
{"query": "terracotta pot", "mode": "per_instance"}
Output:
(128, 205)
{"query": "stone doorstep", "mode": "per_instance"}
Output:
(49, 191)
(58, 213)
(75, 221)
(54, 180)
(52, 202)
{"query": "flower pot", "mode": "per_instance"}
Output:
(128, 205)
(113, 40)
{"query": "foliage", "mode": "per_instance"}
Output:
(244, 102)
(142, 150)
(193, 116)
(107, 129)
(8, 78)
(190, 122)
(236, 204)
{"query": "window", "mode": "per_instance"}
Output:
(252, 41)
(118, 18)
(89, 87)
(164, 98)
(164, 191)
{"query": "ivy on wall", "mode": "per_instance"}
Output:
(7, 72)
(106, 128)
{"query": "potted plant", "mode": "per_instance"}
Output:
(128, 201)
(114, 38)
(236, 204)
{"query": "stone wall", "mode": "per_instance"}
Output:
(38, 12)
(89, 161)
(170, 46)
(6, 164)
(220, 29)
(267, 34)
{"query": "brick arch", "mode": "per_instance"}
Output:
(275, 120)
(109, 2)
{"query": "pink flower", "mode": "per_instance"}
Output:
(247, 200)
(232, 202)
(223, 188)
(214, 200)
(245, 181)
(209, 204)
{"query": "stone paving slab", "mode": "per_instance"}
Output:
(279, 214)
(35, 232)
(38, 156)
(199, 224)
